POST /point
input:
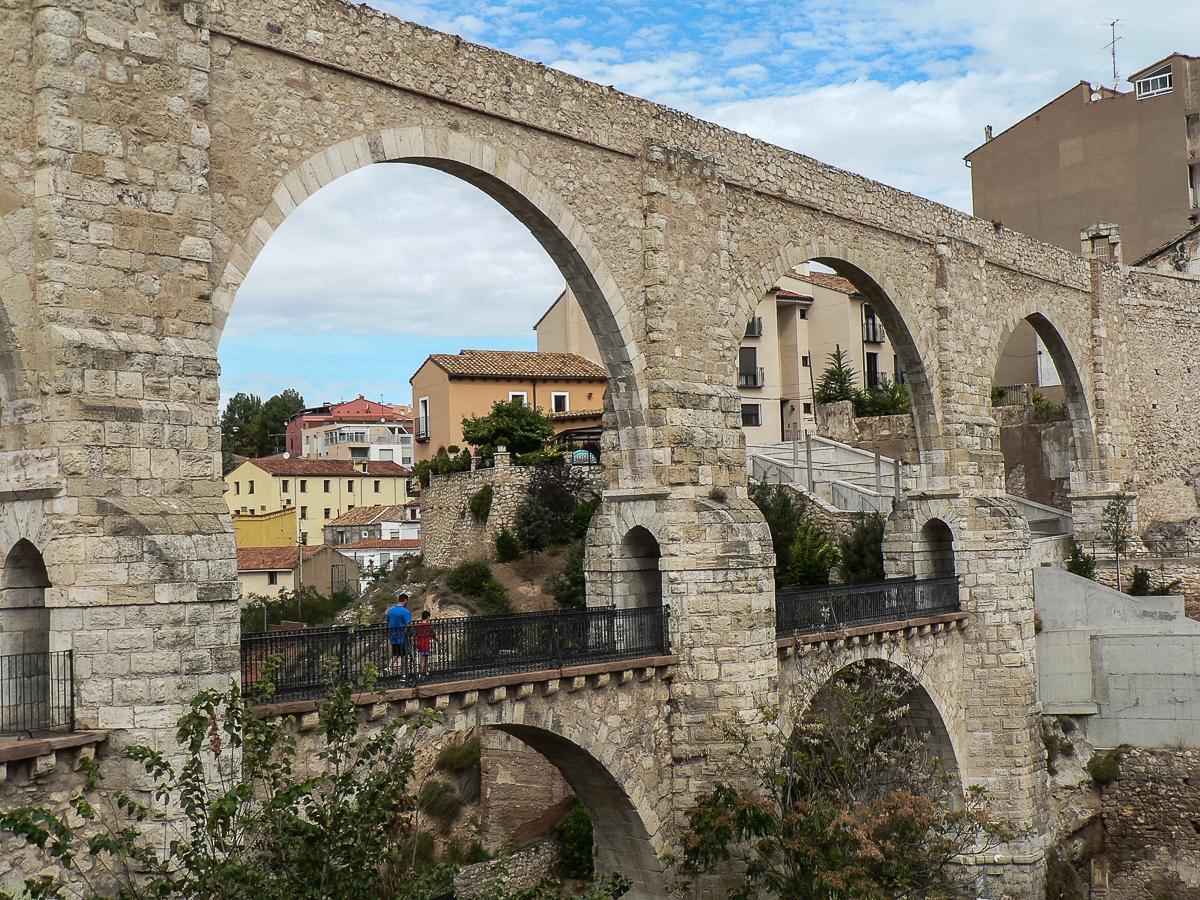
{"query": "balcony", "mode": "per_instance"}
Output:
(422, 429)
(752, 378)
(755, 328)
(37, 692)
(872, 331)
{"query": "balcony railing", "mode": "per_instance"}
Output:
(752, 378)
(755, 328)
(37, 692)
(872, 331)
(421, 428)
(835, 607)
(459, 649)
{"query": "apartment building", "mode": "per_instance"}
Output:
(450, 387)
(353, 429)
(319, 489)
(376, 537)
(1095, 156)
(806, 317)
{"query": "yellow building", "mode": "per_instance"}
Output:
(449, 387)
(271, 529)
(319, 490)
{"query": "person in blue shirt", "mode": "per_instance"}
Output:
(398, 620)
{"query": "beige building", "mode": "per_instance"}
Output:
(379, 442)
(265, 571)
(1095, 155)
(787, 344)
(450, 387)
(319, 489)
(265, 529)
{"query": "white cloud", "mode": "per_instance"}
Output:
(748, 72)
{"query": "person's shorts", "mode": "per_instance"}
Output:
(424, 653)
(398, 649)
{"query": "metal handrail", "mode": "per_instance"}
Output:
(37, 692)
(458, 649)
(838, 606)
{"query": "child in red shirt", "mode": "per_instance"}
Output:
(423, 637)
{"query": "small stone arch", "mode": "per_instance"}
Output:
(637, 570)
(935, 554)
(621, 841)
(24, 640)
(868, 274)
(499, 175)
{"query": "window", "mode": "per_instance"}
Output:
(349, 486)
(237, 487)
(366, 533)
(899, 371)
(751, 415)
(804, 313)
(251, 487)
(287, 484)
(378, 485)
(1194, 185)
(518, 397)
(423, 419)
(327, 515)
(872, 330)
(303, 485)
(1157, 82)
(272, 578)
(386, 455)
(872, 370)
(806, 361)
(303, 513)
(560, 401)
(808, 409)
(749, 373)
(327, 485)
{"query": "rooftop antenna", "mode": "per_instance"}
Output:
(1112, 45)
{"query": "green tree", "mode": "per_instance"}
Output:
(886, 398)
(846, 805)
(812, 556)
(783, 510)
(518, 427)
(1116, 525)
(862, 551)
(275, 415)
(241, 424)
(568, 586)
(837, 382)
(1081, 563)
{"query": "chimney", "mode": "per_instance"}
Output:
(987, 133)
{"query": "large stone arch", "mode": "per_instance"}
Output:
(498, 174)
(897, 309)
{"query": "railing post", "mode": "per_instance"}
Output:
(808, 461)
(71, 708)
(878, 473)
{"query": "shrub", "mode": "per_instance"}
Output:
(481, 503)
(442, 463)
(811, 557)
(718, 495)
(440, 802)
(546, 516)
(1139, 585)
(581, 516)
(782, 509)
(469, 577)
(1082, 564)
(1105, 767)
(514, 425)
(508, 547)
(315, 609)
(458, 757)
(567, 586)
(553, 455)
(493, 599)
(862, 551)
(576, 853)
(1044, 410)
(887, 398)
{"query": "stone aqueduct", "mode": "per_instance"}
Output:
(149, 148)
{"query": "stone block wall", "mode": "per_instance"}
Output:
(518, 787)
(450, 533)
(1185, 570)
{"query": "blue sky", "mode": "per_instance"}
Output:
(391, 263)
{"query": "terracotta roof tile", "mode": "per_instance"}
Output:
(785, 294)
(517, 364)
(370, 515)
(257, 559)
(825, 280)
(277, 465)
(577, 414)
(383, 544)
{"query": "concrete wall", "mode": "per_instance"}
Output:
(1131, 665)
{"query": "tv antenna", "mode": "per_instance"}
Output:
(1112, 45)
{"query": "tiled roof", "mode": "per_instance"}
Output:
(517, 364)
(576, 414)
(785, 294)
(1169, 245)
(369, 515)
(822, 279)
(258, 559)
(383, 544)
(296, 465)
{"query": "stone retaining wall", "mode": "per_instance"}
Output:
(450, 533)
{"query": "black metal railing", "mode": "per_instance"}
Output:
(755, 328)
(452, 649)
(37, 692)
(421, 428)
(754, 378)
(837, 606)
